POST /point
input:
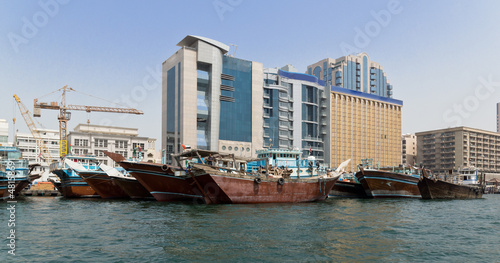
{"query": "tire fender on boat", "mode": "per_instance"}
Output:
(281, 181)
(257, 180)
(164, 167)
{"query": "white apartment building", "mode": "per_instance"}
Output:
(31, 152)
(29, 148)
(4, 133)
(95, 139)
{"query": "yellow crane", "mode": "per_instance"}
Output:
(65, 116)
(44, 151)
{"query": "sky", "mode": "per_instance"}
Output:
(441, 56)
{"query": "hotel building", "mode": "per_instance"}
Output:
(454, 148)
(364, 126)
(353, 72)
(211, 100)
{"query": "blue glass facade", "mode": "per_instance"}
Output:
(235, 115)
(203, 108)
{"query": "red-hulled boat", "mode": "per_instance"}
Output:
(228, 186)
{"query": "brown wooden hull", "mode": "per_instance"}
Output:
(226, 188)
(133, 188)
(57, 185)
(348, 190)
(103, 185)
(19, 185)
(382, 184)
(161, 182)
(437, 189)
(74, 187)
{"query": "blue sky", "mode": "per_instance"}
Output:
(441, 56)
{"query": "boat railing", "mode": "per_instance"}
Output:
(18, 164)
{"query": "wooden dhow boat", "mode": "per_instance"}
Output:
(229, 186)
(164, 182)
(439, 189)
(72, 185)
(99, 180)
(127, 183)
(389, 182)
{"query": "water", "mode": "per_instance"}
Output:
(52, 229)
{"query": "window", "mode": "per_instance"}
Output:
(99, 153)
(136, 145)
(101, 143)
(123, 153)
(81, 142)
(121, 144)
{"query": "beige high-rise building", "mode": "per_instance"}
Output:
(365, 126)
(455, 148)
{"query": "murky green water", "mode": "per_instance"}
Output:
(338, 230)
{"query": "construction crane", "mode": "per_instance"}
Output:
(44, 151)
(65, 115)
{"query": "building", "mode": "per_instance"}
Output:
(31, 152)
(498, 117)
(364, 126)
(409, 149)
(4, 133)
(29, 147)
(353, 72)
(95, 139)
(241, 108)
(296, 114)
(450, 149)
(211, 100)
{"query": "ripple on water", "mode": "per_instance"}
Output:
(339, 230)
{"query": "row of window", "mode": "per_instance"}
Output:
(236, 148)
(103, 143)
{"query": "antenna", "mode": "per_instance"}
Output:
(234, 50)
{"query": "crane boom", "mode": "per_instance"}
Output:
(54, 106)
(64, 115)
(44, 151)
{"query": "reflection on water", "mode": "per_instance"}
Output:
(338, 230)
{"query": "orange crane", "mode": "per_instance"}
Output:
(44, 151)
(65, 116)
